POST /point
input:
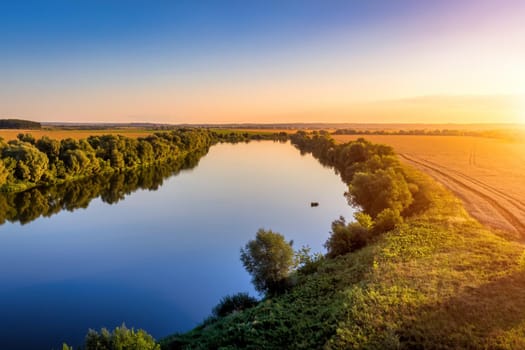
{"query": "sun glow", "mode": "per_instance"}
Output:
(521, 111)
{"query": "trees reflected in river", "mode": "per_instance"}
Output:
(24, 207)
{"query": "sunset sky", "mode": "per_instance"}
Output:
(460, 61)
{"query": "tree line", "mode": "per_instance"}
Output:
(27, 162)
(19, 124)
(385, 192)
(515, 134)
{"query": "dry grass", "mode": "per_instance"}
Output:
(59, 134)
(487, 174)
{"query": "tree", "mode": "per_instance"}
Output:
(346, 238)
(380, 190)
(31, 163)
(4, 172)
(269, 259)
(50, 147)
(387, 220)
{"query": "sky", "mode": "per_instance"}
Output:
(263, 61)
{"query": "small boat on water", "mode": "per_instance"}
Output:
(314, 204)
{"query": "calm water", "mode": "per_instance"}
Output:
(159, 260)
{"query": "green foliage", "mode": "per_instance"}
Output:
(26, 138)
(375, 192)
(234, 303)
(387, 220)
(46, 201)
(364, 220)
(121, 338)
(269, 259)
(304, 259)
(31, 162)
(235, 136)
(50, 147)
(346, 238)
(4, 172)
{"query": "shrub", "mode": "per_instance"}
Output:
(121, 338)
(305, 262)
(345, 238)
(234, 303)
(387, 220)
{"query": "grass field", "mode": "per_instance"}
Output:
(487, 174)
(59, 134)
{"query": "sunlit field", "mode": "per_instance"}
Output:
(60, 134)
(487, 174)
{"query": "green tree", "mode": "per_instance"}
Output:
(380, 190)
(31, 163)
(269, 259)
(4, 173)
(50, 147)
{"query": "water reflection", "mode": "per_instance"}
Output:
(159, 260)
(28, 206)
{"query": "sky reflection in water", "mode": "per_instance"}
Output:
(160, 260)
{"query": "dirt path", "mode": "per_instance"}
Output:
(489, 205)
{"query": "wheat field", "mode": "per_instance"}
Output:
(59, 134)
(487, 174)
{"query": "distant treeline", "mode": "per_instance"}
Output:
(19, 124)
(246, 136)
(500, 134)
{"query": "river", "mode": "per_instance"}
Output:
(160, 256)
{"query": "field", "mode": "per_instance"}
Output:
(59, 134)
(487, 174)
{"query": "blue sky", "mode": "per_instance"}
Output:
(231, 61)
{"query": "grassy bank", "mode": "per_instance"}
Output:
(439, 280)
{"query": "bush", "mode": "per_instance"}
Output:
(305, 262)
(346, 238)
(387, 220)
(121, 338)
(234, 303)
(380, 190)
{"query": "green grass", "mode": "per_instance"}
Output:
(439, 281)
